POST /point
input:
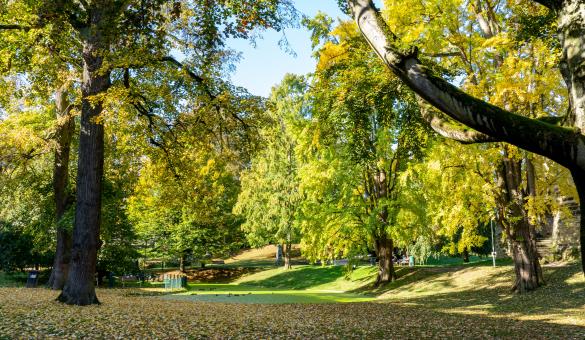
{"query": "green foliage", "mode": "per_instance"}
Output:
(356, 152)
(186, 208)
(118, 251)
(18, 250)
(422, 249)
(270, 199)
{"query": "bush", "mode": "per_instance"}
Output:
(17, 251)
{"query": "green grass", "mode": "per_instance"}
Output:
(450, 302)
(12, 279)
(234, 293)
(302, 284)
(311, 277)
(481, 290)
(443, 261)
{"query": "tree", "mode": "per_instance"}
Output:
(186, 210)
(26, 200)
(270, 200)
(369, 133)
(117, 35)
(563, 143)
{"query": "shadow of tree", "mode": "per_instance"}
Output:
(563, 296)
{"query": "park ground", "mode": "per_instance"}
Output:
(449, 301)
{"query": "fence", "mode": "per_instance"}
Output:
(174, 281)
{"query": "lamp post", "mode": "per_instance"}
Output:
(493, 245)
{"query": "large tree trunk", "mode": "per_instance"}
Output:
(64, 135)
(518, 229)
(386, 273)
(287, 256)
(526, 265)
(572, 37)
(465, 255)
(579, 179)
(79, 287)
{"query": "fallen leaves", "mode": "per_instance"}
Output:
(32, 313)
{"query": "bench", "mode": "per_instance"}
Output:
(403, 261)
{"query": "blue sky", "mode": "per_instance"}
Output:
(264, 65)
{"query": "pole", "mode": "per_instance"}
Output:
(493, 245)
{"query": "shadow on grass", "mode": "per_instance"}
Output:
(564, 291)
(405, 276)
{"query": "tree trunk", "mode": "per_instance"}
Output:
(386, 272)
(514, 222)
(79, 288)
(526, 265)
(182, 263)
(61, 261)
(287, 256)
(571, 29)
(465, 255)
(64, 135)
(579, 179)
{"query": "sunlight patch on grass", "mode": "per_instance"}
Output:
(311, 277)
(486, 291)
(575, 279)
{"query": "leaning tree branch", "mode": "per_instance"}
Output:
(552, 4)
(563, 145)
(449, 128)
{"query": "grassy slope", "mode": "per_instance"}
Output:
(486, 291)
(302, 284)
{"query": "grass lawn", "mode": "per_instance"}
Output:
(12, 280)
(302, 284)
(470, 302)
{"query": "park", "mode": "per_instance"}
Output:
(292, 169)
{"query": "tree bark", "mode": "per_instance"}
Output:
(182, 263)
(579, 179)
(386, 273)
(287, 256)
(79, 288)
(465, 255)
(526, 265)
(571, 30)
(519, 231)
(64, 135)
